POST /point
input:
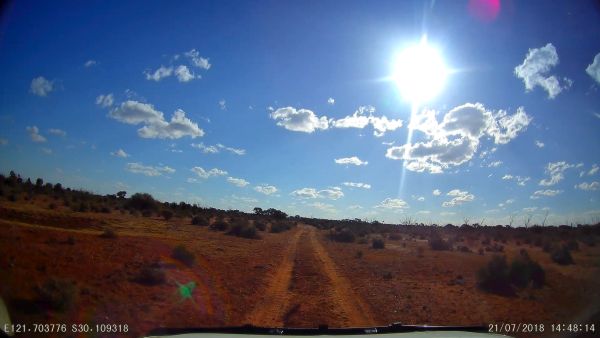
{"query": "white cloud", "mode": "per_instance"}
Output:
(556, 172)
(105, 101)
(307, 121)
(183, 74)
(302, 120)
(244, 199)
(455, 140)
(351, 160)
(530, 209)
(90, 63)
(421, 199)
(159, 74)
(459, 198)
(222, 104)
(360, 120)
(588, 186)
(120, 153)
(331, 101)
(494, 164)
(535, 68)
(206, 149)
(198, 60)
(265, 189)
(549, 193)
(357, 185)
(519, 179)
(436, 192)
(594, 170)
(217, 149)
(333, 193)
(47, 151)
(139, 168)
(41, 87)
(392, 203)
(3, 141)
(57, 132)
(539, 144)
(593, 69)
(240, 182)
(210, 173)
(34, 134)
(155, 126)
(322, 206)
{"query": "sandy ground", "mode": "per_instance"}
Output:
(297, 278)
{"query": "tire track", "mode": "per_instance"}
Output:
(357, 313)
(271, 310)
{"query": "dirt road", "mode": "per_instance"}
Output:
(306, 290)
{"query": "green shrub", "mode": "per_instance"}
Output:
(562, 256)
(166, 214)
(378, 243)
(219, 226)
(437, 243)
(260, 225)
(280, 226)
(572, 245)
(394, 237)
(141, 202)
(57, 294)
(241, 228)
(494, 277)
(151, 275)
(200, 220)
(182, 254)
(524, 271)
(344, 236)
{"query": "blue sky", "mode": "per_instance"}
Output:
(238, 104)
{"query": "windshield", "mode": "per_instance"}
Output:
(300, 163)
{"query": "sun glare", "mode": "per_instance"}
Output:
(420, 73)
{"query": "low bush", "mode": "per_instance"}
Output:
(494, 277)
(561, 256)
(260, 225)
(524, 271)
(219, 226)
(395, 237)
(437, 243)
(588, 240)
(200, 220)
(167, 214)
(108, 233)
(463, 248)
(151, 275)
(378, 243)
(57, 294)
(359, 254)
(280, 226)
(572, 245)
(241, 228)
(344, 236)
(182, 254)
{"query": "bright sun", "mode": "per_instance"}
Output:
(420, 73)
